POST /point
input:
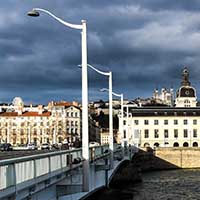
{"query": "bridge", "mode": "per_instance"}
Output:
(57, 175)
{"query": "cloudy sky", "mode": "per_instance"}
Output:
(144, 43)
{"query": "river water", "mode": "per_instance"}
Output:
(169, 185)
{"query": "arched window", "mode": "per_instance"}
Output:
(185, 144)
(156, 144)
(195, 144)
(176, 144)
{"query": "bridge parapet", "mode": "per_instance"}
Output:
(25, 172)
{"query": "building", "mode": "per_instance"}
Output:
(186, 94)
(166, 97)
(56, 123)
(165, 126)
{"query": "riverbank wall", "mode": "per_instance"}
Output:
(167, 158)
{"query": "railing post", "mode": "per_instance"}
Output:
(106, 173)
(15, 178)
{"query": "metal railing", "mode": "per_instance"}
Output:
(21, 170)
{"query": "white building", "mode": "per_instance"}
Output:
(165, 126)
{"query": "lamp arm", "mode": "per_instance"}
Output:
(75, 26)
(100, 72)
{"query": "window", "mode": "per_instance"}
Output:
(166, 134)
(194, 132)
(72, 123)
(175, 122)
(146, 122)
(76, 131)
(156, 122)
(176, 133)
(124, 122)
(185, 121)
(185, 133)
(146, 133)
(156, 135)
(165, 122)
(71, 114)
(136, 122)
(76, 123)
(194, 121)
(125, 134)
(76, 114)
(67, 114)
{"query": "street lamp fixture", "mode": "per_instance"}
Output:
(33, 13)
(122, 113)
(85, 136)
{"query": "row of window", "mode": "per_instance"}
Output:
(38, 131)
(72, 123)
(166, 122)
(176, 133)
(72, 114)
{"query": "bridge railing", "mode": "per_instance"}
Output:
(22, 170)
(19, 170)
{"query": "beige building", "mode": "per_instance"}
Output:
(57, 123)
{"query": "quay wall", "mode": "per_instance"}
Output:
(182, 157)
(167, 158)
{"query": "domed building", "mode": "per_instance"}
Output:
(186, 94)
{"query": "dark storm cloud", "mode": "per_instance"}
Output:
(144, 43)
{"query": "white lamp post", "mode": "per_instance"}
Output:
(85, 141)
(111, 145)
(122, 114)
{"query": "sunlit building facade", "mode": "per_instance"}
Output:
(165, 126)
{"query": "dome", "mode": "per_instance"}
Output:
(17, 101)
(186, 91)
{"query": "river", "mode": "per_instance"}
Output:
(169, 185)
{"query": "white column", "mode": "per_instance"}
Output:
(127, 131)
(85, 136)
(111, 145)
(8, 135)
(54, 136)
(122, 121)
(29, 135)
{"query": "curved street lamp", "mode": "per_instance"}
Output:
(35, 12)
(122, 114)
(111, 145)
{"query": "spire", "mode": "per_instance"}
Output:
(185, 77)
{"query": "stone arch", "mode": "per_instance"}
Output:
(185, 144)
(146, 144)
(176, 144)
(156, 144)
(195, 144)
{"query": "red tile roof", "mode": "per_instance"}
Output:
(25, 114)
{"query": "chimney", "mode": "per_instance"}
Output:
(74, 103)
(40, 109)
(19, 110)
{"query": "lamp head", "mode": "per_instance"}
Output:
(104, 90)
(33, 13)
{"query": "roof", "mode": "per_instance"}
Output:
(63, 104)
(163, 111)
(25, 114)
